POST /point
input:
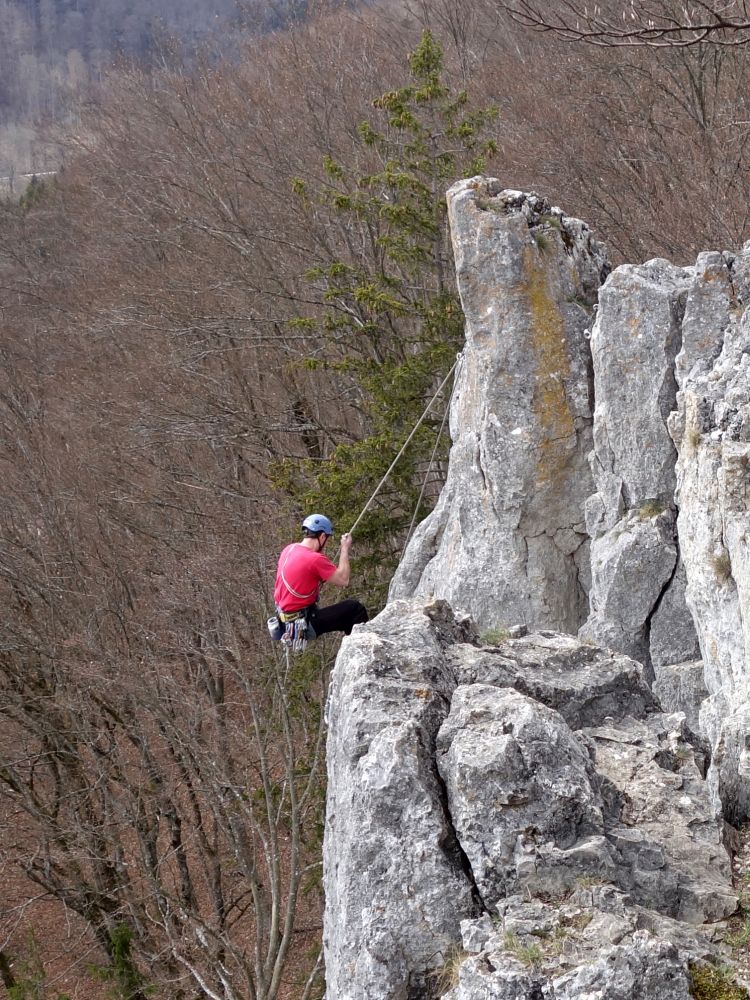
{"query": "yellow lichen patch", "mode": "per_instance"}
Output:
(550, 402)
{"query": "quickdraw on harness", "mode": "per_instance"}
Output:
(297, 630)
(292, 629)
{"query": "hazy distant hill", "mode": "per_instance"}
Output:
(50, 48)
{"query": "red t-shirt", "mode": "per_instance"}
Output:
(299, 576)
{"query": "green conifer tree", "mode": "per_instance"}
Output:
(390, 321)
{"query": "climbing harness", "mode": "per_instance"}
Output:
(293, 629)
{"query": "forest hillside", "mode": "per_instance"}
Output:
(52, 50)
(229, 308)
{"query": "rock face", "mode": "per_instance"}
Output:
(396, 888)
(507, 539)
(518, 813)
(711, 429)
(647, 551)
(669, 520)
(646, 968)
(631, 518)
(465, 811)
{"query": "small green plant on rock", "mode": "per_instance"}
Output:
(578, 300)
(651, 508)
(551, 220)
(528, 954)
(554, 895)
(554, 944)
(488, 204)
(591, 881)
(578, 921)
(693, 438)
(722, 566)
(710, 983)
(586, 640)
(494, 636)
(741, 937)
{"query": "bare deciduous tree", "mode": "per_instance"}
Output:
(655, 23)
(165, 768)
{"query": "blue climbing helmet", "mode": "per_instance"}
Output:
(316, 523)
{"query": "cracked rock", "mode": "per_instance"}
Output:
(506, 540)
(515, 776)
(643, 968)
(396, 892)
(454, 801)
(584, 683)
(634, 342)
(711, 430)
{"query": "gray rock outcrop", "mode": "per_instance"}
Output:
(669, 520)
(646, 550)
(631, 518)
(396, 889)
(513, 812)
(711, 430)
(507, 539)
(646, 968)
(465, 810)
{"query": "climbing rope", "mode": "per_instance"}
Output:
(404, 446)
(426, 477)
(296, 639)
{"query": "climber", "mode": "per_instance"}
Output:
(301, 572)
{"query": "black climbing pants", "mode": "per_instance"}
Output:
(341, 617)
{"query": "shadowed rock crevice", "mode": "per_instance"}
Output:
(654, 612)
(455, 852)
(710, 429)
(634, 342)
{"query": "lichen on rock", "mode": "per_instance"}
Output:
(507, 540)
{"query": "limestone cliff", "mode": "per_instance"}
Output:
(514, 812)
(507, 538)
(503, 816)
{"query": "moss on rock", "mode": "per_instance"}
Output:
(710, 983)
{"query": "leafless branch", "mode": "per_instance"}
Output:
(651, 23)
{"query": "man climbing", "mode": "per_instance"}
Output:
(301, 572)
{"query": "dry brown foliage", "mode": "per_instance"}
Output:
(162, 765)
